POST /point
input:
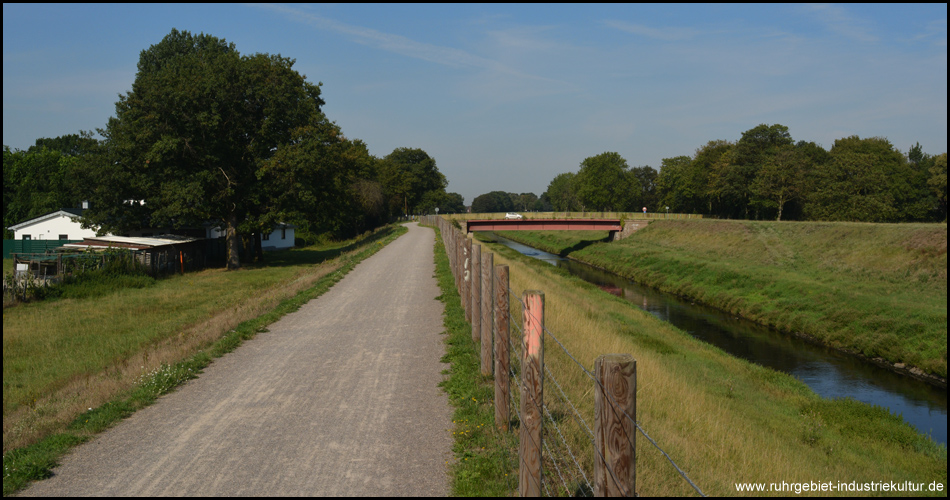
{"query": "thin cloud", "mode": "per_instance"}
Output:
(665, 34)
(398, 44)
(936, 31)
(838, 20)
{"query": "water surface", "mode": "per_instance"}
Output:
(829, 373)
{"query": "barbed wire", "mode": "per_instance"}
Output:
(668, 458)
(614, 404)
(514, 368)
(569, 451)
(551, 455)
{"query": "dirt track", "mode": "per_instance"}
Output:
(338, 398)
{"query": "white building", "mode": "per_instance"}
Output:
(64, 225)
(282, 237)
(60, 225)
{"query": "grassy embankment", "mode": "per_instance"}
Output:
(722, 419)
(875, 289)
(72, 367)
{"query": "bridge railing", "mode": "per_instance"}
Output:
(577, 215)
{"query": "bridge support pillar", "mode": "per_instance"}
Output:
(629, 227)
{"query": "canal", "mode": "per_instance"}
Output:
(829, 373)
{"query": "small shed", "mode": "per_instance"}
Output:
(167, 253)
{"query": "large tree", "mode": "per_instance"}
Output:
(524, 201)
(69, 144)
(36, 182)
(407, 174)
(674, 186)
(856, 184)
(782, 178)
(42, 178)
(454, 204)
(938, 184)
(189, 141)
(704, 178)
(562, 193)
(736, 172)
(643, 180)
(603, 184)
(316, 182)
(921, 202)
(495, 201)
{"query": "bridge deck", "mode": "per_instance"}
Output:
(544, 225)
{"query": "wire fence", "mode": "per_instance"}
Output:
(569, 441)
(570, 455)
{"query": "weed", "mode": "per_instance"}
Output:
(877, 289)
(115, 390)
(485, 457)
(720, 418)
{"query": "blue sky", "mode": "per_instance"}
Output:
(505, 97)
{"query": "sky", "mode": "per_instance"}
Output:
(505, 97)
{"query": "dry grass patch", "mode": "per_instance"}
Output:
(63, 357)
(722, 419)
(67, 394)
(879, 290)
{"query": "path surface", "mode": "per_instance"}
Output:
(338, 398)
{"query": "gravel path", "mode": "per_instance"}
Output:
(338, 398)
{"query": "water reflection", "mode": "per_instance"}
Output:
(827, 372)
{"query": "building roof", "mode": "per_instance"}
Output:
(134, 243)
(67, 212)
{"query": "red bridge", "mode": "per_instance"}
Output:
(543, 225)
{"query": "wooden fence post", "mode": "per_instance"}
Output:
(532, 393)
(487, 308)
(476, 292)
(459, 261)
(614, 434)
(449, 246)
(502, 398)
(467, 278)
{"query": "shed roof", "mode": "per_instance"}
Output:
(134, 243)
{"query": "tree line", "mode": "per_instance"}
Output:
(766, 175)
(209, 135)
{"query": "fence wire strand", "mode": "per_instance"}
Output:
(569, 451)
(515, 351)
(614, 404)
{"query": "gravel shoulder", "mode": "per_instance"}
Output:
(339, 398)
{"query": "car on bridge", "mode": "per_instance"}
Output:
(513, 216)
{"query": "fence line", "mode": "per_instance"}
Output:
(615, 375)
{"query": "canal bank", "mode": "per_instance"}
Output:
(720, 418)
(826, 371)
(878, 290)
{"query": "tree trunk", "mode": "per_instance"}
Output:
(232, 242)
(258, 247)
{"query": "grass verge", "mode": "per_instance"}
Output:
(308, 274)
(879, 290)
(486, 458)
(723, 420)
